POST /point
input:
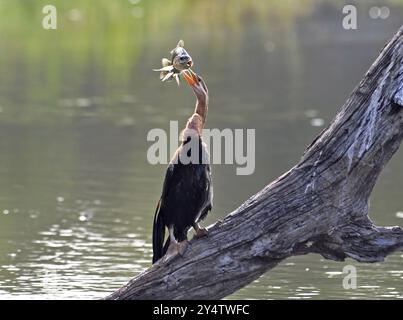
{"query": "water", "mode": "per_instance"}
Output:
(77, 195)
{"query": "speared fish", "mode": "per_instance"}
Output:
(180, 61)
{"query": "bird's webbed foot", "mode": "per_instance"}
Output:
(200, 232)
(175, 249)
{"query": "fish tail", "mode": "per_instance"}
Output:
(158, 234)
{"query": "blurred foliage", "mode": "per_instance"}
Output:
(99, 45)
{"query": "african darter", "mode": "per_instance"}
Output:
(187, 191)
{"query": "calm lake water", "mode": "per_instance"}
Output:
(77, 195)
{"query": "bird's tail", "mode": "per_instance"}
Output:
(158, 234)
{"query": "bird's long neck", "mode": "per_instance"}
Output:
(202, 106)
(198, 119)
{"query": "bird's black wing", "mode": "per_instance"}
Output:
(159, 221)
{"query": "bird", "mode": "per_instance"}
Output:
(187, 192)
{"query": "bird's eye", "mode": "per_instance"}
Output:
(183, 58)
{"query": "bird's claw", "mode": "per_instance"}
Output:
(219, 223)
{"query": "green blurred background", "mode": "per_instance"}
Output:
(77, 195)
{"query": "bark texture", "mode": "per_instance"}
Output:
(319, 206)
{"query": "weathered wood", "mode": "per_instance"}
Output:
(319, 206)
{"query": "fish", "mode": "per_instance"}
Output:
(180, 61)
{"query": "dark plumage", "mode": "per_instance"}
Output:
(186, 200)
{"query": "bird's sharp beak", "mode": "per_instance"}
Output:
(190, 77)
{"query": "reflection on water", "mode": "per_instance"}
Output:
(77, 196)
(72, 258)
